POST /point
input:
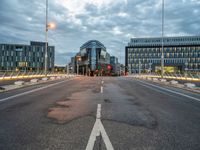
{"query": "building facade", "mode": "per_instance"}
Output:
(92, 58)
(115, 65)
(180, 54)
(26, 57)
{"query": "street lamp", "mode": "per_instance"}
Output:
(78, 58)
(150, 67)
(47, 26)
(186, 68)
(139, 66)
(162, 53)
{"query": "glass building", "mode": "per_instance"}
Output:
(115, 65)
(180, 54)
(92, 58)
(26, 57)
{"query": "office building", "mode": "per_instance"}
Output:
(115, 65)
(26, 57)
(180, 54)
(92, 59)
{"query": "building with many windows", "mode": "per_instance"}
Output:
(180, 54)
(92, 59)
(115, 65)
(26, 57)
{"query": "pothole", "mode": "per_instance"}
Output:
(107, 100)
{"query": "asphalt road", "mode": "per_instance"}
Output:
(136, 115)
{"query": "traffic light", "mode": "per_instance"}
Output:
(109, 67)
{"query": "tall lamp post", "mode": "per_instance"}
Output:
(46, 38)
(47, 27)
(78, 58)
(162, 52)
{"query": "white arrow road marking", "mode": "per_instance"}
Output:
(97, 129)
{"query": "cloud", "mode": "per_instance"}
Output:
(112, 22)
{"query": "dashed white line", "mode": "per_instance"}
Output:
(98, 116)
(98, 130)
(31, 91)
(101, 89)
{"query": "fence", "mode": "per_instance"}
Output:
(177, 76)
(25, 74)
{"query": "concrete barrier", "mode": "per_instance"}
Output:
(34, 80)
(52, 78)
(44, 79)
(2, 88)
(179, 85)
(58, 77)
(155, 79)
(190, 85)
(19, 82)
(163, 80)
(173, 82)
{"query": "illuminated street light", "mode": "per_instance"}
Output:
(47, 27)
(51, 25)
(78, 58)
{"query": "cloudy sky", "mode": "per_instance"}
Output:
(112, 22)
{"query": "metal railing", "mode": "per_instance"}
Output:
(26, 74)
(178, 76)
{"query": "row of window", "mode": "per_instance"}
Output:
(165, 40)
(147, 66)
(31, 59)
(167, 55)
(24, 48)
(20, 53)
(167, 49)
(172, 61)
(23, 64)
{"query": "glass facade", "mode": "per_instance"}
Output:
(92, 54)
(183, 53)
(25, 57)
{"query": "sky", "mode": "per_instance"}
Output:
(112, 22)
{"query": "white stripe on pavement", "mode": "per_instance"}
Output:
(101, 89)
(97, 129)
(168, 90)
(31, 91)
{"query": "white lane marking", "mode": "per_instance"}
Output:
(194, 98)
(98, 116)
(102, 82)
(31, 91)
(96, 131)
(105, 137)
(101, 89)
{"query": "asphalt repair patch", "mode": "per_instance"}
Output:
(117, 107)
